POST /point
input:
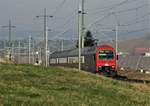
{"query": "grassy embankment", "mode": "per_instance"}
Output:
(38, 86)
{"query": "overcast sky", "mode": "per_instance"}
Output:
(22, 14)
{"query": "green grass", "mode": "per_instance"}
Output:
(23, 85)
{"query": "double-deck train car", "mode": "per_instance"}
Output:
(100, 59)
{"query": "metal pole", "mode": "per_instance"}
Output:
(117, 28)
(45, 61)
(12, 51)
(19, 52)
(45, 54)
(149, 29)
(82, 9)
(10, 34)
(80, 29)
(9, 38)
(62, 45)
(46, 47)
(40, 55)
(33, 52)
(29, 49)
(25, 60)
(10, 43)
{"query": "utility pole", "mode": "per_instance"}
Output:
(45, 16)
(40, 55)
(46, 48)
(83, 27)
(149, 29)
(13, 51)
(116, 30)
(33, 50)
(80, 30)
(62, 45)
(10, 26)
(29, 49)
(19, 52)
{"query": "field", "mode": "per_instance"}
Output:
(24, 85)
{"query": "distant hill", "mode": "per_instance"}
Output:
(130, 45)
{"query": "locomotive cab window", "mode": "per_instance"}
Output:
(106, 55)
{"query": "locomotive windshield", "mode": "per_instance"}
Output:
(106, 55)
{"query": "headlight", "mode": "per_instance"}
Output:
(100, 68)
(113, 67)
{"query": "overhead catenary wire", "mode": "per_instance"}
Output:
(135, 22)
(101, 10)
(127, 32)
(58, 8)
(62, 33)
(124, 32)
(118, 4)
(99, 19)
(125, 24)
(67, 21)
(67, 29)
(131, 9)
(118, 12)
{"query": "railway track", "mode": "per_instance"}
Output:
(124, 78)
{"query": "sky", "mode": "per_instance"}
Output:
(101, 17)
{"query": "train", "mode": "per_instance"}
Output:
(100, 59)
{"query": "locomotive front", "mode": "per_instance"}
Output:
(106, 59)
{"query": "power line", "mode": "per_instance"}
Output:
(136, 22)
(131, 9)
(122, 11)
(130, 22)
(133, 31)
(59, 7)
(127, 32)
(68, 21)
(62, 33)
(104, 17)
(110, 7)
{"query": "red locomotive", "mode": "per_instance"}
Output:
(106, 60)
(101, 59)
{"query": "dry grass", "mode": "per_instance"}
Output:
(39, 86)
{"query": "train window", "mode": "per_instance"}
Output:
(106, 55)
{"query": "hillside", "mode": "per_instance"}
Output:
(128, 45)
(38, 86)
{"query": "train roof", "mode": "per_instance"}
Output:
(105, 46)
(74, 52)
